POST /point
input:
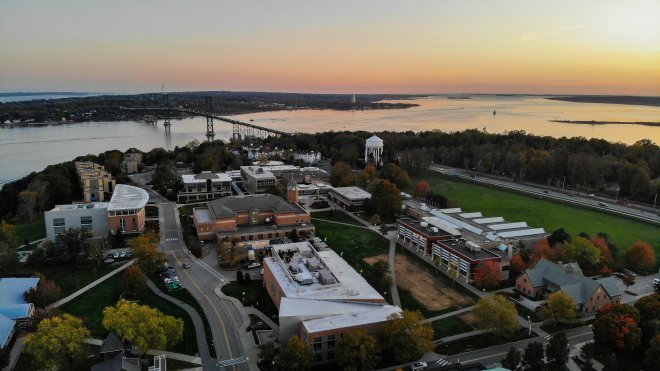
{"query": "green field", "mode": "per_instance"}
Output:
(255, 296)
(90, 305)
(336, 216)
(450, 326)
(538, 212)
(31, 231)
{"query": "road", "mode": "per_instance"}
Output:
(200, 280)
(646, 214)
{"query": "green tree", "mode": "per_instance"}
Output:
(652, 355)
(587, 353)
(393, 173)
(4, 358)
(8, 245)
(45, 293)
(296, 355)
(406, 337)
(134, 281)
(145, 250)
(640, 257)
(386, 198)
(616, 328)
(512, 359)
(268, 357)
(96, 250)
(649, 316)
(533, 357)
(375, 219)
(69, 245)
(357, 351)
(560, 307)
(342, 175)
(145, 327)
(496, 313)
(58, 342)
(557, 351)
(583, 252)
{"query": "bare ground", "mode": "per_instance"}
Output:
(427, 290)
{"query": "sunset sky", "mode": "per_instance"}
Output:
(436, 46)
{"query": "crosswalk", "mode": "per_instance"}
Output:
(547, 337)
(233, 312)
(231, 362)
(442, 362)
(208, 268)
(172, 239)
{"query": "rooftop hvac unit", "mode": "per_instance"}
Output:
(424, 224)
(434, 229)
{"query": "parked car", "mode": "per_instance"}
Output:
(603, 204)
(122, 254)
(115, 255)
(656, 282)
(418, 366)
(619, 274)
(186, 265)
(629, 272)
(253, 265)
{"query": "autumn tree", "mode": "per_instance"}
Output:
(605, 252)
(386, 199)
(640, 257)
(58, 342)
(357, 351)
(488, 274)
(342, 175)
(561, 306)
(145, 251)
(580, 250)
(69, 245)
(405, 336)
(496, 313)
(268, 357)
(512, 359)
(616, 327)
(422, 188)
(649, 316)
(134, 281)
(652, 355)
(46, 292)
(8, 245)
(517, 264)
(533, 357)
(557, 351)
(396, 175)
(367, 175)
(143, 326)
(541, 250)
(296, 355)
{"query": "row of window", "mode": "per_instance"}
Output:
(125, 212)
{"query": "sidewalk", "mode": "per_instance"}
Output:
(90, 286)
(153, 352)
(391, 262)
(450, 314)
(15, 352)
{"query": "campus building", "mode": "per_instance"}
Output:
(91, 217)
(14, 310)
(126, 209)
(96, 183)
(256, 179)
(320, 297)
(250, 218)
(131, 163)
(350, 198)
(547, 277)
(204, 186)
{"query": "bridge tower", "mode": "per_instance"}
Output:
(166, 118)
(210, 133)
(237, 131)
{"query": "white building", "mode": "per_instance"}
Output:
(373, 150)
(256, 179)
(91, 217)
(351, 198)
(204, 186)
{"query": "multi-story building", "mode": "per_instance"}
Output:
(91, 217)
(131, 163)
(96, 183)
(124, 212)
(320, 297)
(422, 234)
(204, 186)
(547, 277)
(465, 257)
(126, 209)
(250, 218)
(351, 198)
(256, 179)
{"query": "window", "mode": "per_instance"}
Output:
(86, 223)
(58, 225)
(318, 349)
(122, 225)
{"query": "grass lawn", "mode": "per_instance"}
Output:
(538, 212)
(450, 326)
(71, 279)
(335, 216)
(187, 210)
(24, 361)
(255, 295)
(90, 305)
(151, 211)
(479, 342)
(32, 231)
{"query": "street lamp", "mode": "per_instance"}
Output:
(529, 333)
(243, 297)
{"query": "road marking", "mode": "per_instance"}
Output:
(443, 362)
(548, 337)
(231, 362)
(222, 323)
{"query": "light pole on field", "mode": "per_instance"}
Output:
(529, 320)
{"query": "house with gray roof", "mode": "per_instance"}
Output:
(13, 307)
(547, 277)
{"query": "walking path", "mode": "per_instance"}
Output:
(342, 223)
(198, 323)
(463, 335)
(449, 314)
(90, 286)
(390, 261)
(264, 317)
(169, 355)
(15, 352)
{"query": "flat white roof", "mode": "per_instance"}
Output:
(350, 284)
(258, 172)
(470, 215)
(452, 210)
(126, 197)
(521, 233)
(352, 193)
(496, 219)
(203, 215)
(219, 177)
(371, 314)
(92, 205)
(499, 227)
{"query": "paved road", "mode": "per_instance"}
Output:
(646, 214)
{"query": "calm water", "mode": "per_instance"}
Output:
(27, 149)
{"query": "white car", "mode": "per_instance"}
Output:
(253, 265)
(115, 255)
(122, 254)
(418, 366)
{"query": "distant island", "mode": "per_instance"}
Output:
(594, 122)
(458, 97)
(611, 99)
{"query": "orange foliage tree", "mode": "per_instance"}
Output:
(605, 252)
(640, 257)
(422, 188)
(542, 249)
(518, 264)
(615, 327)
(488, 274)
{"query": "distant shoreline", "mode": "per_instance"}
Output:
(611, 99)
(593, 122)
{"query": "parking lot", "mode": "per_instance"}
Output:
(643, 286)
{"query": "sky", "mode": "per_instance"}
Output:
(435, 46)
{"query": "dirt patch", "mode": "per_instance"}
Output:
(373, 259)
(468, 318)
(430, 292)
